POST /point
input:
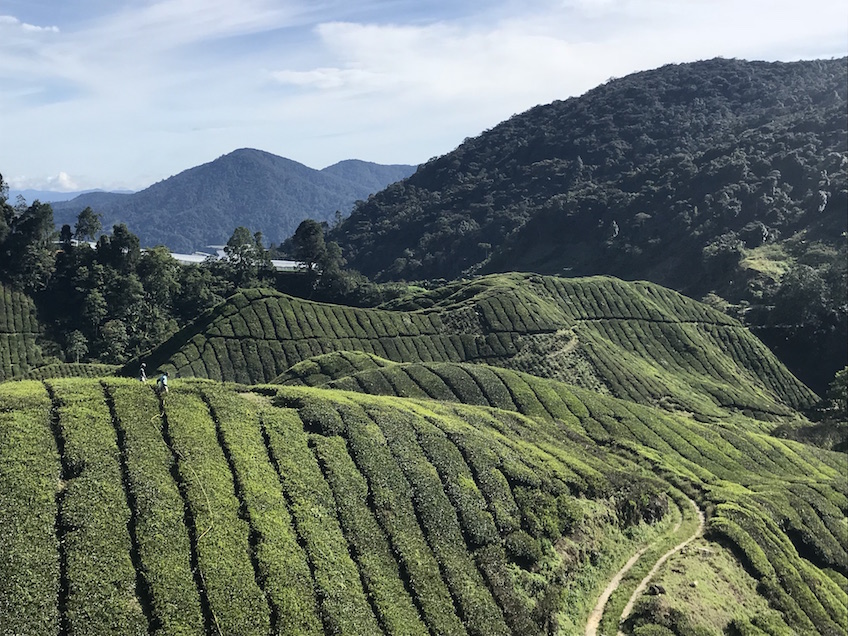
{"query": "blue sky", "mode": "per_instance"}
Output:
(97, 93)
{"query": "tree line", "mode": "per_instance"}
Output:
(102, 298)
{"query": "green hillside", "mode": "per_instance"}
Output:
(19, 332)
(634, 178)
(720, 176)
(292, 510)
(632, 340)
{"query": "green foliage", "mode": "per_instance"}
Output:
(94, 516)
(640, 341)
(26, 250)
(88, 225)
(379, 570)
(282, 565)
(344, 607)
(163, 540)
(838, 390)
(29, 463)
(246, 256)
(292, 509)
(19, 334)
(221, 535)
(672, 175)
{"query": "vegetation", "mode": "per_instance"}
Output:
(635, 340)
(19, 334)
(302, 510)
(106, 301)
(719, 176)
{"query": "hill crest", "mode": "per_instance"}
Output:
(638, 341)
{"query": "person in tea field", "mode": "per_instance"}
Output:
(162, 383)
(143, 373)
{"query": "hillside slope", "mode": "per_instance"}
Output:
(302, 511)
(657, 437)
(19, 332)
(634, 178)
(720, 176)
(634, 340)
(203, 205)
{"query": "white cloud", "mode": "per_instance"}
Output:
(37, 29)
(62, 182)
(8, 20)
(158, 86)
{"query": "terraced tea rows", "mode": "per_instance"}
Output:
(70, 370)
(19, 330)
(783, 505)
(296, 510)
(299, 512)
(635, 340)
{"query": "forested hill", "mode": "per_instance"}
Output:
(667, 175)
(252, 188)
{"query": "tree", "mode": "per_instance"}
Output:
(6, 211)
(838, 391)
(160, 276)
(308, 243)
(65, 236)
(115, 341)
(120, 251)
(77, 345)
(88, 225)
(26, 255)
(245, 255)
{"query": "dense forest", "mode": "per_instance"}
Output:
(723, 179)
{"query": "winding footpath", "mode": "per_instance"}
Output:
(598, 611)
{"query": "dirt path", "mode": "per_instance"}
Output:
(596, 614)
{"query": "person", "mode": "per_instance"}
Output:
(162, 383)
(143, 375)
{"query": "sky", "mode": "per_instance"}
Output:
(120, 95)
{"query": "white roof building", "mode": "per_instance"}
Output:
(216, 252)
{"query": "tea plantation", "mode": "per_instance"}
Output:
(219, 509)
(19, 329)
(475, 460)
(636, 341)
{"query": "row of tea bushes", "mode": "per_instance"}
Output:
(19, 331)
(638, 340)
(303, 510)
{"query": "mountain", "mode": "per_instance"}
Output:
(636, 177)
(51, 196)
(261, 191)
(722, 176)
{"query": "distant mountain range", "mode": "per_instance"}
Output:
(247, 187)
(51, 196)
